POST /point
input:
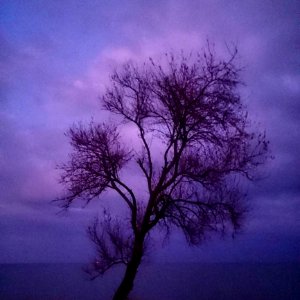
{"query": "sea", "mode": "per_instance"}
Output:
(167, 281)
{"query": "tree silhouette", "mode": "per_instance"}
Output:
(194, 142)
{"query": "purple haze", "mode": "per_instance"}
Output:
(55, 60)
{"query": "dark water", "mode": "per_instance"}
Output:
(167, 282)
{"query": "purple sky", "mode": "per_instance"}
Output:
(55, 57)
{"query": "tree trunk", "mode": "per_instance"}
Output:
(131, 271)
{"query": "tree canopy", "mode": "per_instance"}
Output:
(188, 107)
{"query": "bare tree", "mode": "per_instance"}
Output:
(190, 109)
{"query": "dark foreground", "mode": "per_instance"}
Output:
(167, 282)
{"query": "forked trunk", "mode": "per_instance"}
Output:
(131, 270)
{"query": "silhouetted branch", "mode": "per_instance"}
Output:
(94, 164)
(113, 246)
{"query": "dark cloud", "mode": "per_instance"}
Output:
(54, 59)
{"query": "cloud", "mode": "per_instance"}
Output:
(55, 63)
